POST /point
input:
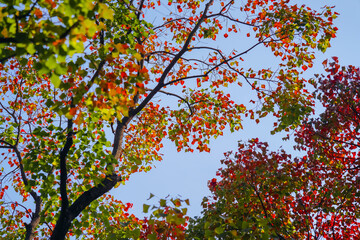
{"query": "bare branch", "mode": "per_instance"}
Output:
(181, 98)
(232, 19)
(225, 61)
(173, 20)
(173, 54)
(226, 6)
(9, 145)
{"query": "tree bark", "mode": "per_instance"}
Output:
(66, 217)
(35, 219)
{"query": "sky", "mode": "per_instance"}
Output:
(185, 175)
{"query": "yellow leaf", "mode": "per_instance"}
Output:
(4, 32)
(121, 48)
(112, 92)
(137, 56)
(90, 26)
(105, 12)
(2, 15)
(68, 116)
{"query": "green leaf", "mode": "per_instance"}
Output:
(219, 230)
(30, 48)
(146, 208)
(51, 62)
(55, 80)
(265, 236)
(162, 202)
(151, 196)
(152, 236)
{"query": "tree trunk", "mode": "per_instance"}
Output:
(35, 219)
(63, 224)
(62, 227)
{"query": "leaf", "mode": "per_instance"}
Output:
(30, 48)
(51, 62)
(145, 208)
(219, 230)
(137, 56)
(151, 196)
(152, 236)
(55, 80)
(105, 12)
(4, 32)
(163, 202)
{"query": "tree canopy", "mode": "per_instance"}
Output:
(263, 194)
(87, 93)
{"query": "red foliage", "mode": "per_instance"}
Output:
(310, 197)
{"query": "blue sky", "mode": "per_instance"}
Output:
(186, 174)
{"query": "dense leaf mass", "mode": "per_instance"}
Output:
(263, 194)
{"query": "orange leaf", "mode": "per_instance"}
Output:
(38, 13)
(72, 111)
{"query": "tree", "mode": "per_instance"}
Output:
(264, 194)
(86, 91)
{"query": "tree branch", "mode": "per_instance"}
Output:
(87, 197)
(186, 44)
(9, 40)
(161, 83)
(63, 169)
(173, 20)
(181, 98)
(7, 143)
(231, 19)
(64, 222)
(96, 74)
(16, 40)
(35, 219)
(27, 13)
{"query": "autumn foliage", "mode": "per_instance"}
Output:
(90, 89)
(271, 195)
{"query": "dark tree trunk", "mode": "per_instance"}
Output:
(67, 216)
(35, 219)
(61, 228)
